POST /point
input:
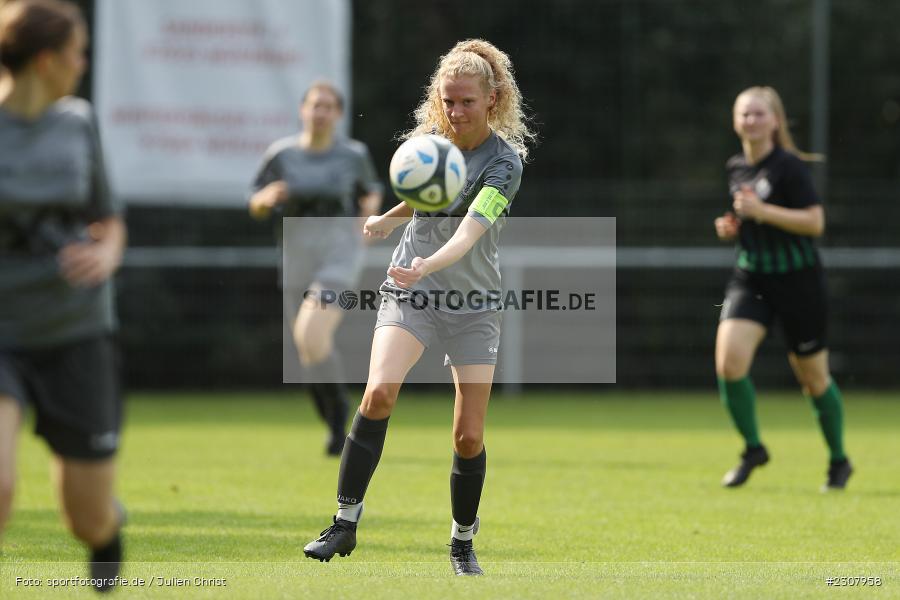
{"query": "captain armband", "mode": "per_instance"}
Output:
(489, 203)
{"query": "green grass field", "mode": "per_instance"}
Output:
(616, 498)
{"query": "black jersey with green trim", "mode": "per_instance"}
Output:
(783, 179)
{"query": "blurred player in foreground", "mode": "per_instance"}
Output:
(778, 278)
(474, 101)
(61, 240)
(331, 184)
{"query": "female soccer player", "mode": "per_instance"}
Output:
(61, 240)
(779, 276)
(474, 101)
(331, 181)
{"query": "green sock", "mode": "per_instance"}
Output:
(739, 398)
(830, 410)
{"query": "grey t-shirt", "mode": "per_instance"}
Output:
(52, 185)
(326, 185)
(493, 164)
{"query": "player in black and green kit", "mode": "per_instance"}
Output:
(778, 278)
(61, 239)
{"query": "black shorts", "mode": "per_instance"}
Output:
(797, 300)
(75, 392)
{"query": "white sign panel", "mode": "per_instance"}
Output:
(190, 94)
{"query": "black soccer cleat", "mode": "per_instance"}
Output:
(340, 539)
(838, 474)
(463, 559)
(750, 459)
(462, 554)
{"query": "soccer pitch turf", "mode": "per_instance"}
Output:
(613, 495)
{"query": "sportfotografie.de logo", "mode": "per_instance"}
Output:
(455, 300)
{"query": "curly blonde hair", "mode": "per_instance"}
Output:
(492, 66)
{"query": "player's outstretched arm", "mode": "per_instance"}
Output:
(379, 227)
(468, 232)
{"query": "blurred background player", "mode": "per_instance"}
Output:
(330, 181)
(61, 240)
(474, 101)
(778, 277)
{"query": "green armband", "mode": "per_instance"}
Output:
(489, 203)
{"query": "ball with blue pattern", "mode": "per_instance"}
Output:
(428, 172)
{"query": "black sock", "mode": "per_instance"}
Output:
(319, 401)
(110, 553)
(105, 563)
(362, 450)
(466, 481)
(333, 406)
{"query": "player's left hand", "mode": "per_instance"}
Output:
(405, 278)
(88, 264)
(747, 204)
(727, 226)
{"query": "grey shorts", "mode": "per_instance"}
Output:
(468, 338)
(331, 278)
(317, 251)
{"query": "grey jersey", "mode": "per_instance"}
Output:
(320, 184)
(493, 164)
(52, 185)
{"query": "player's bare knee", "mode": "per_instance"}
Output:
(94, 528)
(732, 368)
(302, 345)
(817, 384)
(313, 349)
(803, 380)
(468, 442)
(379, 400)
(813, 378)
(317, 353)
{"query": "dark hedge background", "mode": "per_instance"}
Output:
(632, 99)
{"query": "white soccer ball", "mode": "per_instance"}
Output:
(428, 172)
